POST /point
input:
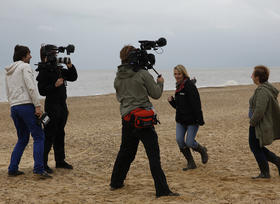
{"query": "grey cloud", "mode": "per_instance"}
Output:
(199, 32)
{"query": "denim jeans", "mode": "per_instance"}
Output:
(190, 138)
(25, 123)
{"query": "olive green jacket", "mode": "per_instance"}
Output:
(266, 113)
(134, 88)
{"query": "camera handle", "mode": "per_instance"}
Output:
(151, 67)
(159, 75)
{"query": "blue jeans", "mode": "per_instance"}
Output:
(25, 123)
(190, 139)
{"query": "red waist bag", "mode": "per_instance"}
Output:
(142, 118)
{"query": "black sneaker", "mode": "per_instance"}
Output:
(43, 175)
(48, 169)
(116, 187)
(262, 176)
(15, 173)
(63, 165)
(168, 194)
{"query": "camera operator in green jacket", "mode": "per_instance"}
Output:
(264, 114)
(133, 88)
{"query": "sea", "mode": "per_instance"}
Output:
(98, 82)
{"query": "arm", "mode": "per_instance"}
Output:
(31, 86)
(194, 98)
(154, 89)
(172, 102)
(69, 74)
(261, 101)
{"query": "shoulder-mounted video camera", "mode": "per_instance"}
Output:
(52, 62)
(50, 52)
(139, 57)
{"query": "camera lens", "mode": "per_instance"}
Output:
(64, 60)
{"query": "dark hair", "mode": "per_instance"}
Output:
(20, 51)
(262, 72)
(124, 53)
(45, 49)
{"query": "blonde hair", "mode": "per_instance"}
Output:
(180, 68)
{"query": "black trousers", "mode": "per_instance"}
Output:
(130, 140)
(54, 131)
(262, 154)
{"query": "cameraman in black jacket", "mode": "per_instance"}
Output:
(52, 84)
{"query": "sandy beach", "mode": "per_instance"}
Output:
(93, 136)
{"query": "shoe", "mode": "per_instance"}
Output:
(48, 169)
(15, 173)
(203, 152)
(275, 160)
(63, 165)
(43, 175)
(277, 163)
(168, 194)
(190, 166)
(188, 155)
(116, 187)
(262, 176)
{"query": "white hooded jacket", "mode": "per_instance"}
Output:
(20, 84)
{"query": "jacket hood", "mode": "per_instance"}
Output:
(268, 86)
(125, 71)
(10, 69)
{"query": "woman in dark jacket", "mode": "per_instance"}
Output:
(188, 116)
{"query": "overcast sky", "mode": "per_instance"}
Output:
(199, 33)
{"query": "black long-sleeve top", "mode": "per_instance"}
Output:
(47, 78)
(187, 104)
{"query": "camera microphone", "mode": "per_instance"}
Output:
(161, 42)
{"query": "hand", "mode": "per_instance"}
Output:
(170, 98)
(38, 111)
(193, 80)
(200, 122)
(160, 79)
(59, 82)
(69, 65)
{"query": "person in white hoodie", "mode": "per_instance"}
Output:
(25, 105)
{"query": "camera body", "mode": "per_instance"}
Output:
(44, 120)
(140, 58)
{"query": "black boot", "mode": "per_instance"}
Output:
(277, 163)
(203, 152)
(264, 168)
(188, 155)
(271, 157)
